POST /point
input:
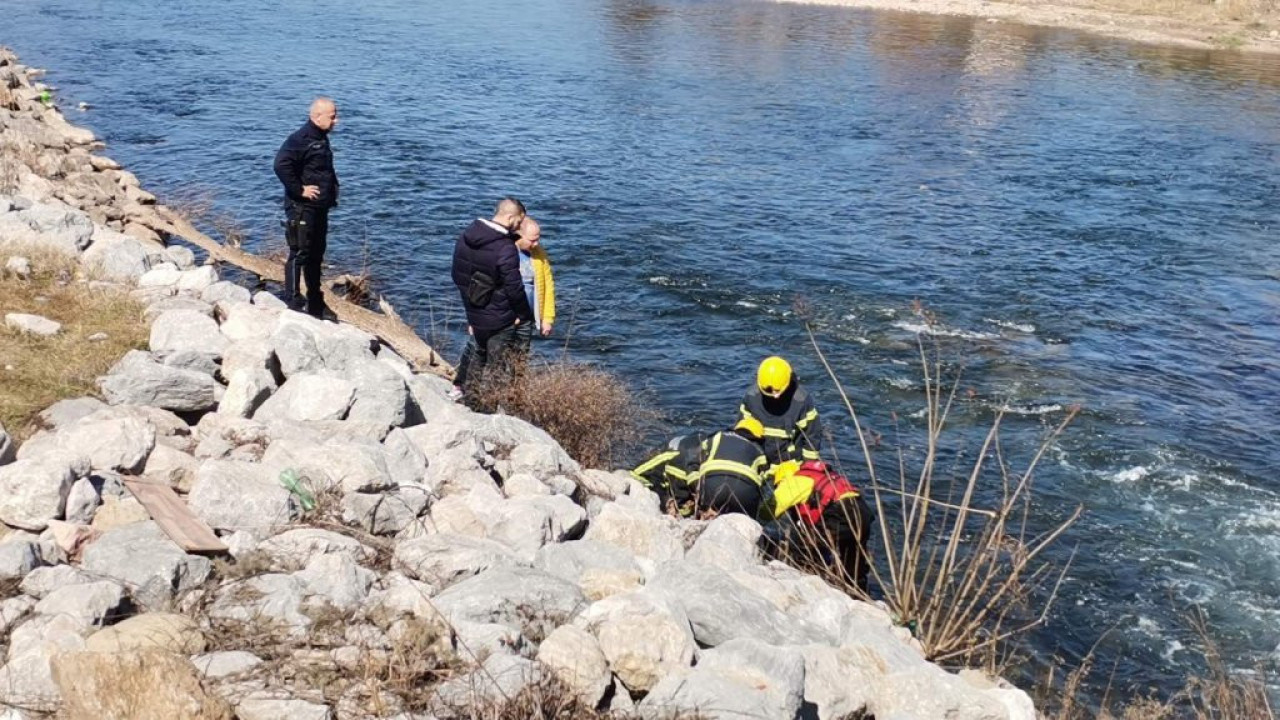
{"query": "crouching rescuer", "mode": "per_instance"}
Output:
(730, 479)
(819, 518)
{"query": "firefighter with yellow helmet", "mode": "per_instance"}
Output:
(783, 407)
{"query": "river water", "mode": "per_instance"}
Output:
(1092, 222)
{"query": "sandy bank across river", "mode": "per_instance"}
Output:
(1246, 25)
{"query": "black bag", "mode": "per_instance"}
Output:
(480, 289)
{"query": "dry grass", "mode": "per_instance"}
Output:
(35, 372)
(965, 579)
(590, 412)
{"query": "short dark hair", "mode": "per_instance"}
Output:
(509, 205)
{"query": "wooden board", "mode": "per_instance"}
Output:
(175, 518)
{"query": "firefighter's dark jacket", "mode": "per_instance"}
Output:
(728, 453)
(306, 159)
(792, 430)
(673, 469)
(483, 249)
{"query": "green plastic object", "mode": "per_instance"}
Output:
(46, 97)
(290, 481)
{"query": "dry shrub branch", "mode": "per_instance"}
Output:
(590, 412)
(964, 578)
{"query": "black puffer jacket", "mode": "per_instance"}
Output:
(482, 250)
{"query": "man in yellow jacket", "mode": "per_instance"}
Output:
(539, 286)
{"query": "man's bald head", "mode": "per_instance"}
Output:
(324, 113)
(509, 213)
(530, 234)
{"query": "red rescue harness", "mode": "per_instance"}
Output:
(828, 487)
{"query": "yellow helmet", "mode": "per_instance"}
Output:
(774, 376)
(753, 427)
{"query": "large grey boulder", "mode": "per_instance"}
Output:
(18, 558)
(171, 467)
(186, 332)
(196, 280)
(247, 389)
(305, 344)
(381, 396)
(599, 570)
(443, 559)
(405, 462)
(308, 398)
(524, 599)
(34, 491)
(839, 682)
(96, 603)
(523, 524)
(930, 691)
(26, 680)
(574, 657)
(643, 636)
(82, 502)
(225, 291)
(48, 226)
(349, 466)
(42, 581)
(729, 542)
(137, 379)
(151, 565)
(299, 546)
(721, 609)
(231, 495)
(252, 355)
(66, 412)
(532, 450)
(742, 678)
(338, 580)
(241, 321)
(272, 597)
(385, 513)
(656, 537)
(119, 257)
(112, 441)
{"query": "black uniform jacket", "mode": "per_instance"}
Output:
(306, 159)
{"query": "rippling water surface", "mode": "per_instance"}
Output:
(1093, 222)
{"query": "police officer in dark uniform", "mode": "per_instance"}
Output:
(304, 165)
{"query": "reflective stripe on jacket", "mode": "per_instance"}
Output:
(792, 430)
(728, 453)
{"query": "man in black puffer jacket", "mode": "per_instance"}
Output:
(486, 269)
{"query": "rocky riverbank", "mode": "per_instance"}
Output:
(433, 560)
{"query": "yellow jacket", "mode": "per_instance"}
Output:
(544, 286)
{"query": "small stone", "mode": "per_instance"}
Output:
(19, 267)
(32, 324)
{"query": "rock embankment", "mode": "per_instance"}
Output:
(434, 558)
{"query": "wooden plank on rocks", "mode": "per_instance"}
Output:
(175, 518)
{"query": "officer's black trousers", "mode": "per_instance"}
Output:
(306, 234)
(724, 493)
